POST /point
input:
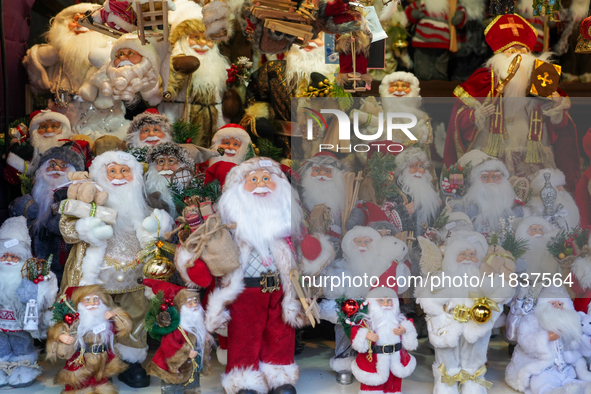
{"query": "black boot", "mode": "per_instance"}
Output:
(135, 376)
(284, 389)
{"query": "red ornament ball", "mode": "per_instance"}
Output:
(189, 140)
(350, 307)
(40, 277)
(36, 281)
(77, 314)
(69, 319)
(163, 307)
(171, 303)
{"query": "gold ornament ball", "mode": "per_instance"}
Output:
(158, 267)
(561, 256)
(320, 84)
(480, 313)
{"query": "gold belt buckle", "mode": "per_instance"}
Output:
(270, 281)
(461, 313)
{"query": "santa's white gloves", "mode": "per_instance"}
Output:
(93, 231)
(155, 225)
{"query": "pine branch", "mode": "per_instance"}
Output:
(267, 149)
(185, 132)
(516, 246)
(381, 169)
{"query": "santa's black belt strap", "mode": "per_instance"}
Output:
(95, 348)
(269, 282)
(386, 349)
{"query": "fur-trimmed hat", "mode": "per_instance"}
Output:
(119, 157)
(187, 18)
(464, 240)
(237, 173)
(132, 41)
(170, 149)
(39, 117)
(65, 153)
(409, 156)
(80, 292)
(15, 238)
(537, 180)
(147, 118)
(356, 232)
(522, 230)
(400, 76)
(324, 159)
(236, 131)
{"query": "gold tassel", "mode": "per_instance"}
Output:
(495, 146)
(78, 361)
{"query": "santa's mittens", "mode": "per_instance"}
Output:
(93, 231)
(311, 247)
(200, 274)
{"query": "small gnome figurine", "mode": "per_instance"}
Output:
(86, 327)
(177, 319)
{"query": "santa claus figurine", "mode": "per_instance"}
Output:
(527, 134)
(583, 191)
(460, 317)
(183, 353)
(64, 67)
(537, 232)
(169, 165)
(582, 282)
(107, 254)
(258, 294)
(23, 306)
(145, 130)
(383, 340)
(84, 335)
(40, 206)
(235, 142)
(548, 342)
(201, 89)
(489, 196)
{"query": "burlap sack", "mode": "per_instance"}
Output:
(212, 243)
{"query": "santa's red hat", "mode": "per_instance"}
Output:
(231, 130)
(45, 115)
(509, 30)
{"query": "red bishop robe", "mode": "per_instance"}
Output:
(462, 129)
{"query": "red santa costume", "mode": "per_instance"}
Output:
(261, 357)
(382, 369)
(581, 270)
(527, 134)
(583, 191)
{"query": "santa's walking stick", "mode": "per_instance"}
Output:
(546, 33)
(512, 70)
(311, 310)
(453, 37)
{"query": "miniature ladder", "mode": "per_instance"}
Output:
(154, 19)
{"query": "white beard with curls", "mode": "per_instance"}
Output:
(41, 143)
(91, 319)
(42, 192)
(157, 183)
(383, 321)
(424, 196)
(493, 201)
(369, 263)
(11, 281)
(564, 322)
(124, 82)
(260, 221)
(539, 260)
(192, 320)
(300, 65)
(325, 192)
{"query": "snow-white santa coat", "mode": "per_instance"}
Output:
(384, 364)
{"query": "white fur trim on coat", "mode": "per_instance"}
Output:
(182, 258)
(581, 269)
(314, 267)
(131, 354)
(557, 113)
(409, 338)
(399, 370)
(341, 364)
(244, 378)
(16, 162)
(360, 342)
(278, 375)
(374, 378)
(222, 355)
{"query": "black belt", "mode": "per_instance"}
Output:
(269, 282)
(386, 349)
(95, 349)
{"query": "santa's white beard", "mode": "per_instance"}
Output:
(383, 321)
(330, 193)
(300, 64)
(539, 260)
(91, 319)
(135, 142)
(42, 192)
(11, 280)
(211, 75)
(192, 320)
(564, 322)
(520, 84)
(369, 262)
(125, 82)
(236, 159)
(73, 51)
(44, 143)
(493, 201)
(157, 183)
(452, 268)
(260, 221)
(425, 198)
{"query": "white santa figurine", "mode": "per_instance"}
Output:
(64, 67)
(548, 348)
(490, 195)
(461, 313)
(47, 129)
(322, 182)
(261, 338)
(567, 217)
(537, 232)
(383, 340)
(414, 179)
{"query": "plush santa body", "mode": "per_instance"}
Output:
(547, 357)
(106, 255)
(87, 344)
(255, 361)
(18, 353)
(206, 85)
(169, 165)
(490, 196)
(461, 345)
(537, 231)
(581, 275)
(583, 191)
(64, 66)
(38, 207)
(172, 362)
(382, 371)
(568, 216)
(524, 145)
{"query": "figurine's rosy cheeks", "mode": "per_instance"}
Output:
(231, 146)
(119, 174)
(362, 243)
(9, 258)
(192, 303)
(557, 304)
(126, 57)
(199, 42)
(49, 128)
(259, 183)
(55, 167)
(167, 163)
(91, 301)
(491, 177)
(416, 169)
(151, 134)
(399, 88)
(467, 256)
(321, 173)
